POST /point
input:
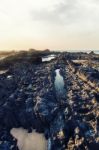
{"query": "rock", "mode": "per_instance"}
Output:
(28, 99)
(45, 110)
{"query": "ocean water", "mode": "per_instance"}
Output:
(96, 52)
(84, 51)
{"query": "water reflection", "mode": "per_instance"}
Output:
(48, 58)
(9, 76)
(29, 141)
(3, 71)
(2, 57)
(59, 84)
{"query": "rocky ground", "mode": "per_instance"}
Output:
(28, 99)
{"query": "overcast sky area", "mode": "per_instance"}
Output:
(53, 24)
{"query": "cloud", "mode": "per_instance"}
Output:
(57, 13)
(49, 22)
(68, 12)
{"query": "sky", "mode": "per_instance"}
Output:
(53, 24)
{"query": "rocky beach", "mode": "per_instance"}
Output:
(54, 94)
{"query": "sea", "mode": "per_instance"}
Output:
(86, 51)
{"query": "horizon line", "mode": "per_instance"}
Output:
(1, 50)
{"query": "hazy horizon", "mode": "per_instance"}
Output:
(53, 24)
(60, 50)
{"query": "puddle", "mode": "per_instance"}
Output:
(3, 71)
(49, 144)
(9, 76)
(29, 141)
(2, 57)
(59, 84)
(48, 58)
